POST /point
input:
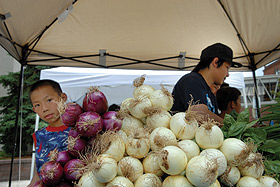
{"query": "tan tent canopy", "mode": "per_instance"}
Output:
(146, 34)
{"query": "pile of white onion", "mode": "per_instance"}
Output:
(154, 148)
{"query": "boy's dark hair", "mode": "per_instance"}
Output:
(46, 82)
(205, 63)
(225, 95)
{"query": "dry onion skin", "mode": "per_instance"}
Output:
(137, 105)
(183, 129)
(268, 181)
(231, 176)
(130, 168)
(148, 180)
(141, 89)
(202, 171)
(151, 164)
(253, 166)
(209, 135)
(176, 180)
(162, 98)
(172, 160)
(219, 156)
(129, 123)
(157, 117)
(120, 181)
(190, 148)
(125, 104)
(88, 179)
(235, 151)
(162, 137)
(138, 144)
(247, 181)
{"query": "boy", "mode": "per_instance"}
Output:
(44, 96)
(228, 99)
(213, 68)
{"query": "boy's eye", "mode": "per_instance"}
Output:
(49, 100)
(37, 105)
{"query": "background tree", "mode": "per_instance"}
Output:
(8, 105)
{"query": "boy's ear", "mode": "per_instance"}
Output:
(232, 105)
(215, 62)
(64, 97)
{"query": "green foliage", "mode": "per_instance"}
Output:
(8, 105)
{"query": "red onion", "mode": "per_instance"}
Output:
(51, 173)
(63, 157)
(73, 132)
(111, 121)
(95, 101)
(76, 145)
(72, 111)
(73, 170)
(65, 184)
(89, 123)
(38, 184)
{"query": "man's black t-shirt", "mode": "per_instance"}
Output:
(193, 84)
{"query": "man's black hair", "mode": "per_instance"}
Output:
(225, 95)
(205, 63)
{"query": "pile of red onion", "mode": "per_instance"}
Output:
(85, 122)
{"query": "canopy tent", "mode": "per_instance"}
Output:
(117, 85)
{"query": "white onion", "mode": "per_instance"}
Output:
(157, 117)
(216, 184)
(138, 144)
(104, 164)
(235, 151)
(137, 106)
(176, 180)
(151, 164)
(190, 148)
(143, 90)
(253, 166)
(162, 98)
(183, 129)
(161, 137)
(231, 176)
(202, 171)
(148, 180)
(172, 160)
(123, 135)
(88, 179)
(116, 147)
(119, 181)
(209, 135)
(247, 181)
(268, 181)
(216, 155)
(125, 104)
(130, 168)
(129, 123)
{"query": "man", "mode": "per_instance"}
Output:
(213, 68)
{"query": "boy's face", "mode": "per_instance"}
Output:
(44, 101)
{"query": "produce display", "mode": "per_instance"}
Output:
(144, 145)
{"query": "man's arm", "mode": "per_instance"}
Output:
(203, 110)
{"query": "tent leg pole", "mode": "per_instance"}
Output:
(16, 124)
(253, 67)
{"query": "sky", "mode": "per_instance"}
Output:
(259, 72)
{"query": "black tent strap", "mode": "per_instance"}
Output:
(268, 53)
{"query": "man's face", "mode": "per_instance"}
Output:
(238, 107)
(222, 73)
(44, 102)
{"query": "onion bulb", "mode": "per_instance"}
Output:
(172, 160)
(157, 117)
(51, 173)
(202, 171)
(182, 128)
(176, 180)
(247, 181)
(104, 168)
(138, 144)
(231, 176)
(151, 164)
(216, 184)
(141, 89)
(88, 179)
(120, 181)
(148, 180)
(190, 148)
(209, 135)
(70, 114)
(268, 181)
(253, 166)
(130, 168)
(137, 106)
(125, 104)
(161, 137)
(216, 155)
(89, 124)
(162, 98)
(123, 135)
(129, 123)
(235, 151)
